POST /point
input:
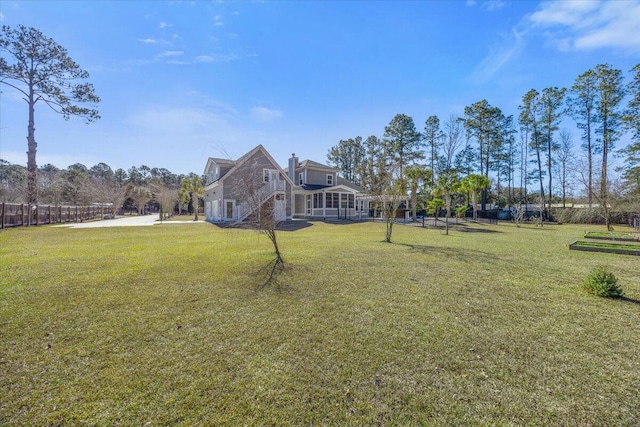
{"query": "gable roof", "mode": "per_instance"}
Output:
(243, 159)
(314, 165)
(217, 161)
(329, 188)
(346, 183)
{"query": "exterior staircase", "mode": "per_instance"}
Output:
(261, 195)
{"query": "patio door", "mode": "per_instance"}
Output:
(308, 202)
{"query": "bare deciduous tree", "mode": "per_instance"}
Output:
(140, 197)
(166, 197)
(258, 209)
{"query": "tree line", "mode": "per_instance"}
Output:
(512, 154)
(135, 189)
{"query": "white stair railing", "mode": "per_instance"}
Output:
(262, 195)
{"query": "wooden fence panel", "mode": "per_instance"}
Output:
(18, 215)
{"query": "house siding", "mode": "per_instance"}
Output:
(230, 188)
(299, 204)
(315, 177)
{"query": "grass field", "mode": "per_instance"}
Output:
(164, 325)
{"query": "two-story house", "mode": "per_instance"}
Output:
(320, 193)
(234, 189)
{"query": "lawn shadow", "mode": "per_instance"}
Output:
(629, 300)
(451, 253)
(455, 226)
(341, 221)
(282, 280)
(466, 229)
(293, 225)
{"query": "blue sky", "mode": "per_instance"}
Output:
(181, 81)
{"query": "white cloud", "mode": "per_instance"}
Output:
(510, 46)
(494, 5)
(265, 114)
(149, 40)
(588, 25)
(562, 12)
(171, 53)
(204, 58)
(175, 120)
(489, 5)
(164, 25)
(220, 57)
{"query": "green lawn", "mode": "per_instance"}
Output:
(610, 235)
(608, 245)
(163, 325)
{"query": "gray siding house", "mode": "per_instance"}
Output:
(320, 193)
(227, 184)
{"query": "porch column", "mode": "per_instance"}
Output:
(324, 204)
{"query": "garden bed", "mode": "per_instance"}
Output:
(613, 248)
(604, 235)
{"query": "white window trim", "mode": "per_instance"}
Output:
(329, 178)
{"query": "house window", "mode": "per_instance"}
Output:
(329, 179)
(347, 201)
(333, 199)
(317, 201)
(229, 212)
(301, 178)
(265, 175)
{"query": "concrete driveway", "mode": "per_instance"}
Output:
(125, 221)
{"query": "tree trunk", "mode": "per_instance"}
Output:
(549, 163)
(389, 229)
(473, 200)
(447, 202)
(604, 196)
(541, 182)
(414, 200)
(589, 161)
(32, 168)
(196, 204)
